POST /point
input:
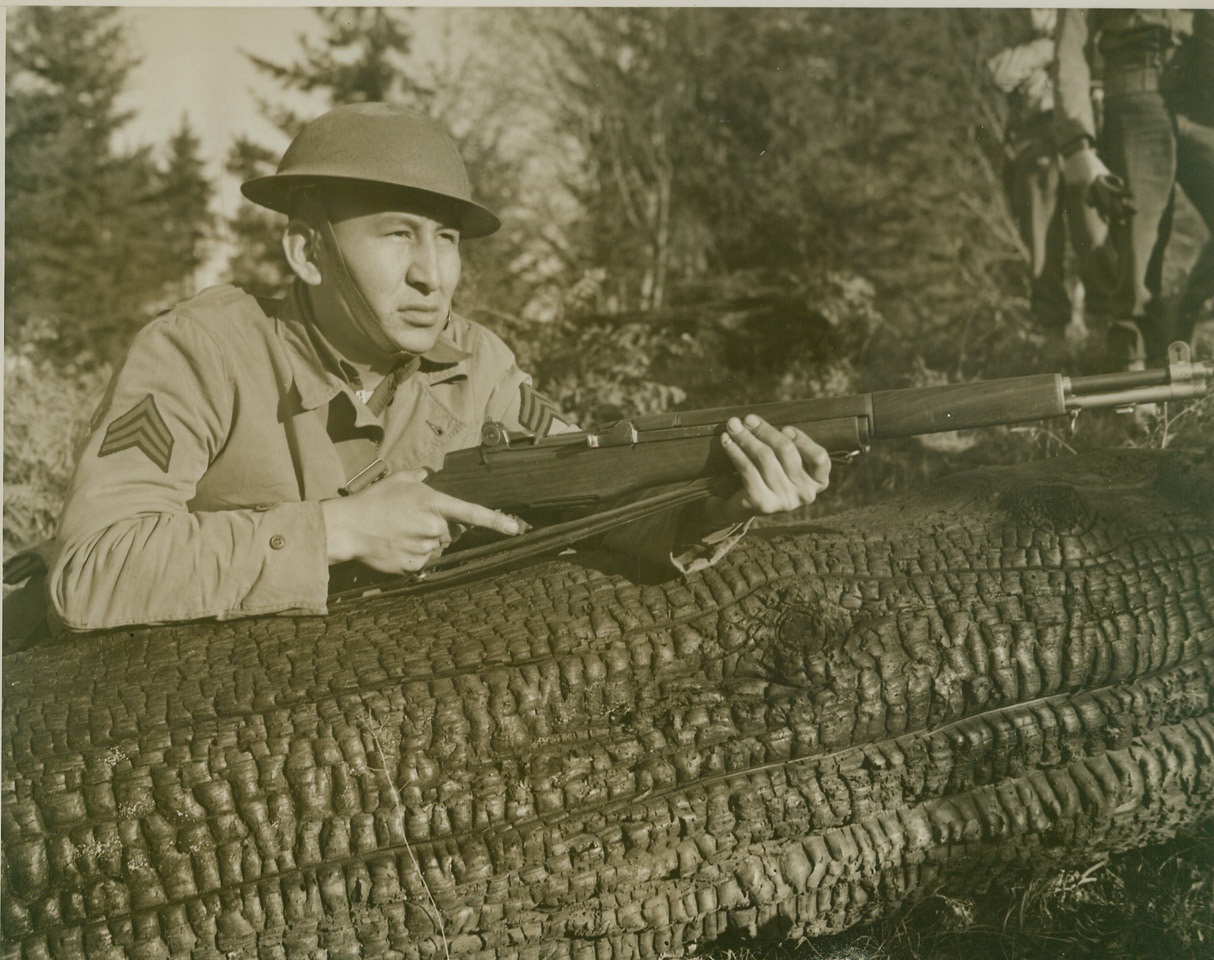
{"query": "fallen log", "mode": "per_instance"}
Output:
(1009, 671)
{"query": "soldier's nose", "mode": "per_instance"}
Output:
(423, 270)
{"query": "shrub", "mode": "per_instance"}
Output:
(47, 405)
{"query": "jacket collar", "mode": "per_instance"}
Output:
(321, 373)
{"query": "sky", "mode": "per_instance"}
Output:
(194, 64)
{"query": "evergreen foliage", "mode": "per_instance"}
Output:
(183, 193)
(719, 147)
(254, 235)
(96, 240)
(689, 122)
(360, 57)
(47, 403)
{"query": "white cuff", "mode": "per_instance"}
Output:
(1082, 167)
(711, 548)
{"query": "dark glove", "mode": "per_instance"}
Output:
(1111, 198)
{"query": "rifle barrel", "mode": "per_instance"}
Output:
(1116, 382)
(1180, 380)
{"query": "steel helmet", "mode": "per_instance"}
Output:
(375, 143)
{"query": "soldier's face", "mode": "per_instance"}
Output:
(405, 259)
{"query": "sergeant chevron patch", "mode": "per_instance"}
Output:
(141, 427)
(536, 411)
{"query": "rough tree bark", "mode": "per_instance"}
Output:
(1009, 671)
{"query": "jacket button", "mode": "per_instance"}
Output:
(278, 541)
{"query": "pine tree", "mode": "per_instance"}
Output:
(723, 153)
(359, 58)
(674, 110)
(254, 235)
(85, 256)
(187, 224)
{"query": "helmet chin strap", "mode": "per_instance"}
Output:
(350, 297)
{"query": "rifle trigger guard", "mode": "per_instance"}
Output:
(622, 433)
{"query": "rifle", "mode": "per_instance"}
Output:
(544, 479)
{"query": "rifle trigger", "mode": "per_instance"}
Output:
(846, 457)
(622, 433)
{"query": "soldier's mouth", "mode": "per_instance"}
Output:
(420, 316)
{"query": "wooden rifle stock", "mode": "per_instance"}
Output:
(587, 469)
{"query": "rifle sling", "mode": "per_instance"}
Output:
(461, 565)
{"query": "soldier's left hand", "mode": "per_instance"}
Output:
(780, 469)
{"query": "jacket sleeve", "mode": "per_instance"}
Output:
(1013, 67)
(1073, 117)
(129, 550)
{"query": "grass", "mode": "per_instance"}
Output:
(47, 406)
(1155, 902)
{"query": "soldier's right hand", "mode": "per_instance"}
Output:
(399, 524)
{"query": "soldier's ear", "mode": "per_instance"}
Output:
(301, 244)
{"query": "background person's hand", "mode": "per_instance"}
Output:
(399, 524)
(1108, 194)
(780, 470)
(1111, 198)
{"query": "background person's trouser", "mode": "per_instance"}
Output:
(1153, 149)
(1048, 214)
(1032, 182)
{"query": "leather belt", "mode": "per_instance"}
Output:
(1119, 81)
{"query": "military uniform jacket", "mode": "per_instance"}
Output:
(1120, 32)
(197, 489)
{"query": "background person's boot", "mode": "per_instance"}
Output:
(1124, 347)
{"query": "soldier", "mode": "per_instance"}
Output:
(244, 446)
(1157, 132)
